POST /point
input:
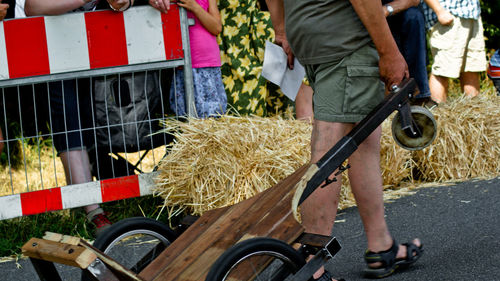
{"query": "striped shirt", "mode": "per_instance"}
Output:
(467, 9)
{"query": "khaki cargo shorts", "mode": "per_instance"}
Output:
(458, 48)
(348, 90)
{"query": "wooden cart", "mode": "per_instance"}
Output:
(268, 214)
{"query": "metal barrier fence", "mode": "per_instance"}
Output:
(95, 82)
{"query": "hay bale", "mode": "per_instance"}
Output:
(219, 162)
(468, 141)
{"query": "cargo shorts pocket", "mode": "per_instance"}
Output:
(364, 90)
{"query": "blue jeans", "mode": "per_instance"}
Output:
(408, 30)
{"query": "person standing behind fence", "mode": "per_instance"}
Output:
(70, 109)
(458, 49)
(209, 95)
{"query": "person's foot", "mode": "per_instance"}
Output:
(402, 251)
(384, 263)
(99, 219)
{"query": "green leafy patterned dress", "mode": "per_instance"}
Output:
(245, 31)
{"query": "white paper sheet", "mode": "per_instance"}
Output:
(275, 70)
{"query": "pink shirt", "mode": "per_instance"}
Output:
(204, 48)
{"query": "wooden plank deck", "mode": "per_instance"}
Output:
(267, 214)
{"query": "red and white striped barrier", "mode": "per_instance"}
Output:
(82, 41)
(76, 195)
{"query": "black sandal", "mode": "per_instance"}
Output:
(388, 260)
(326, 276)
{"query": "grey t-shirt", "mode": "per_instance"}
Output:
(323, 30)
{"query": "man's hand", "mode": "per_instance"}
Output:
(276, 9)
(3, 10)
(393, 69)
(281, 40)
(161, 5)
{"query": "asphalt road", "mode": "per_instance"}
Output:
(459, 226)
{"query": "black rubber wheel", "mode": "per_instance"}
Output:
(134, 242)
(257, 259)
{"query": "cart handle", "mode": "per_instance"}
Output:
(397, 99)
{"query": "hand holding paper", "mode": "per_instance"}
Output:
(275, 70)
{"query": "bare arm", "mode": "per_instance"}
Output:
(276, 9)
(400, 5)
(209, 19)
(58, 7)
(444, 17)
(392, 65)
(51, 7)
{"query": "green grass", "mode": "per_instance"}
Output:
(15, 232)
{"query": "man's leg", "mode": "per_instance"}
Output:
(303, 103)
(439, 87)
(366, 184)
(318, 214)
(469, 82)
(319, 210)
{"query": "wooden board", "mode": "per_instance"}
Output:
(267, 214)
(63, 253)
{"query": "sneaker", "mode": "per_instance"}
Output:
(426, 102)
(99, 219)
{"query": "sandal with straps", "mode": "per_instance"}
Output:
(388, 260)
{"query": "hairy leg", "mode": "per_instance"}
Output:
(320, 209)
(366, 184)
